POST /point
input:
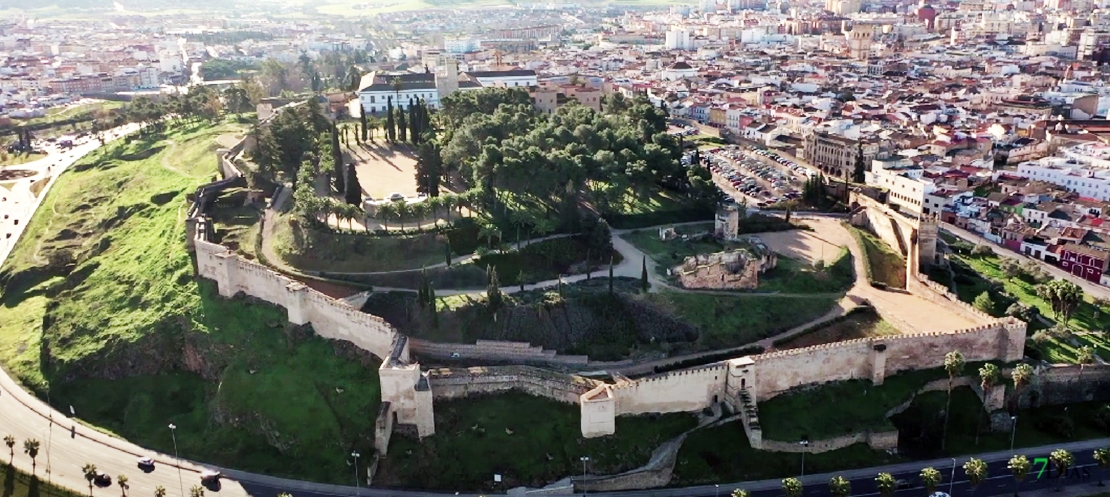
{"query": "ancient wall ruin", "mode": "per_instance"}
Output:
(451, 383)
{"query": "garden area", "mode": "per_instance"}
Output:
(20, 484)
(550, 259)
(580, 318)
(1012, 289)
(136, 341)
(792, 276)
(725, 321)
(885, 266)
(527, 440)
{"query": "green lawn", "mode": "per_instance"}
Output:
(10, 159)
(670, 253)
(1086, 321)
(733, 321)
(792, 276)
(104, 277)
(528, 440)
(722, 454)
(308, 249)
(886, 264)
(859, 406)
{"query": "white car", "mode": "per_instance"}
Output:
(146, 462)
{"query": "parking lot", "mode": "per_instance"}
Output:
(743, 172)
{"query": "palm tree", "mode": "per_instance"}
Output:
(886, 483)
(419, 211)
(385, 213)
(489, 231)
(930, 477)
(159, 491)
(196, 491)
(988, 378)
(31, 448)
(122, 480)
(954, 365)
(792, 487)
(401, 211)
(739, 493)
(10, 442)
(1019, 466)
(89, 470)
(434, 204)
(840, 486)
(976, 471)
(450, 201)
(1022, 376)
(1102, 457)
(1063, 460)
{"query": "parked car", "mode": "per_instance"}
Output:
(396, 197)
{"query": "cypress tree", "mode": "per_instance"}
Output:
(422, 291)
(520, 279)
(390, 128)
(493, 292)
(643, 275)
(337, 160)
(447, 253)
(353, 194)
(362, 121)
(414, 123)
(589, 271)
(402, 128)
(610, 275)
(432, 305)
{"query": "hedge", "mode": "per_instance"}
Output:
(648, 219)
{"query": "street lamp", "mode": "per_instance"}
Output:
(805, 446)
(180, 481)
(716, 490)
(584, 459)
(952, 477)
(1013, 430)
(355, 455)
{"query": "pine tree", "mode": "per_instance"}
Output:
(390, 127)
(402, 128)
(353, 194)
(337, 160)
(644, 285)
(362, 121)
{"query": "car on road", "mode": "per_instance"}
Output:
(210, 476)
(146, 463)
(102, 479)
(903, 484)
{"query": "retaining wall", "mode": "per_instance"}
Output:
(453, 383)
(881, 440)
(497, 351)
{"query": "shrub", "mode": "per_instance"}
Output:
(1102, 418)
(982, 251)
(1040, 337)
(984, 303)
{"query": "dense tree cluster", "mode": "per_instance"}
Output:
(496, 141)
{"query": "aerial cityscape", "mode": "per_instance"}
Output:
(646, 248)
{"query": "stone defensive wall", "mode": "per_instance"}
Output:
(453, 383)
(761, 377)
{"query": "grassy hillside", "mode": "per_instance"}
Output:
(101, 307)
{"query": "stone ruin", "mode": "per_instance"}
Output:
(733, 269)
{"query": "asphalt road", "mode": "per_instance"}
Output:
(67, 445)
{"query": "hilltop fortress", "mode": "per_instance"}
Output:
(409, 393)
